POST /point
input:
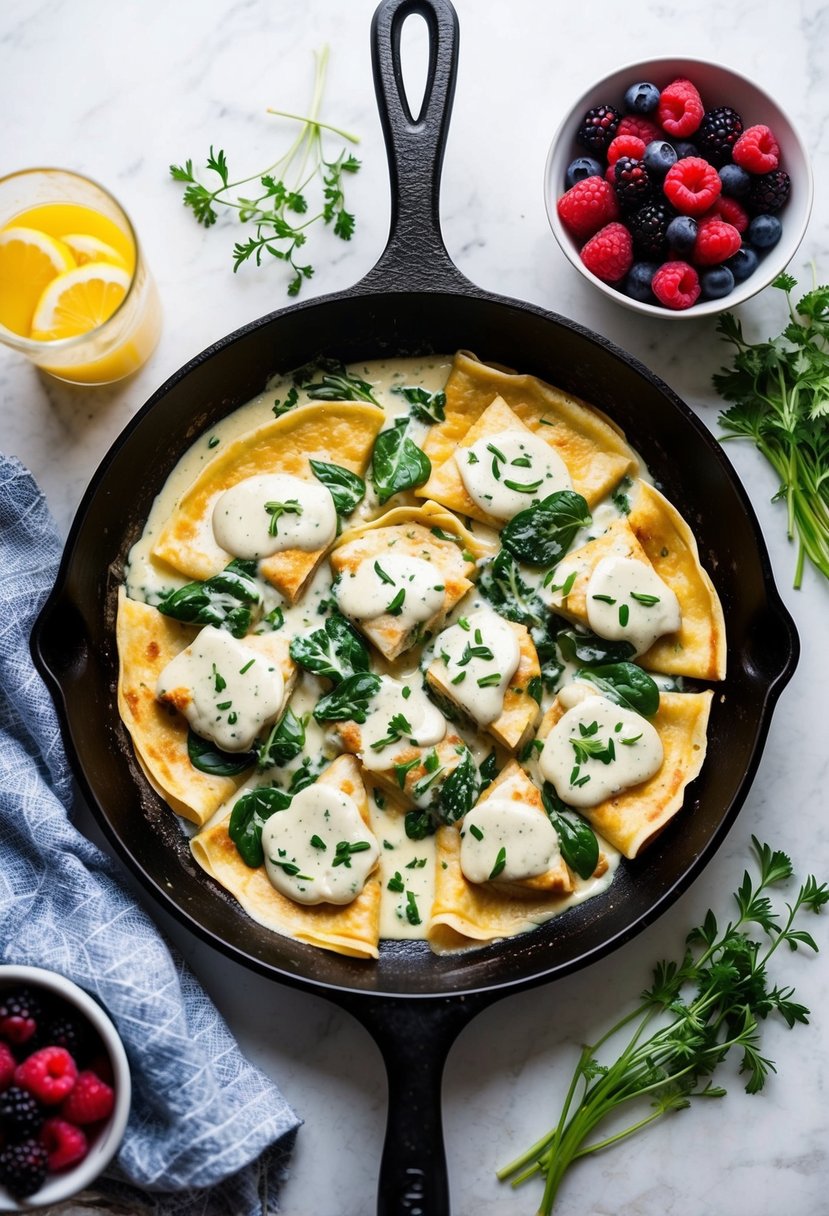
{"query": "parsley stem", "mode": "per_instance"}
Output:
(354, 139)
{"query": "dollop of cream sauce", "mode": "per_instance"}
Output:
(481, 655)
(226, 690)
(628, 601)
(598, 749)
(400, 715)
(508, 472)
(319, 850)
(272, 512)
(505, 839)
(407, 588)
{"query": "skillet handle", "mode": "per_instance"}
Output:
(415, 257)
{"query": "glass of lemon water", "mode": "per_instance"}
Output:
(76, 296)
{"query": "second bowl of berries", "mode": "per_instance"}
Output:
(678, 187)
(64, 1089)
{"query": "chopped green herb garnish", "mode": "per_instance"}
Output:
(381, 574)
(318, 843)
(246, 667)
(412, 914)
(490, 681)
(277, 509)
(647, 600)
(526, 487)
(624, 614)
(476, 831)
(396, 606)
(396, 883)
(500, 863)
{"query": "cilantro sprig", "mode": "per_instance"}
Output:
(780, 394)
(694, 1014)
(278, 205)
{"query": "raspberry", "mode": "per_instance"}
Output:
(757, 150)
(598, 128)
(648, 227)
(680, 108)
(718, 132)
(90, 1100)
(65, 1143)
(715, 242)
(642, 128)
(19, 1113)
(19, 1014)
(632, 185)
(23, 1167)
(587, 206)
(49, 1074)
(7, 1066)
(676, 285)
(609, 254)
(732, 212)
(692, 185)
(625, 145)
(768, 192)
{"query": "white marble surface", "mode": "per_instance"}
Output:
(120, 91)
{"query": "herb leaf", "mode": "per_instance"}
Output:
(249, 815)
(333, 382)
(426, 407)
(225, 600)
(541, 535)
(397, 463)
(625, 684)
(347, 489)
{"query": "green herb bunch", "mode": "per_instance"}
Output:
(278, 206)
(695, 1013)
(780, 394)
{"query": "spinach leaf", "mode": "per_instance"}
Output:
(488, 770)
(418, 824)
(426, 407)
(348, 702)
(283, 407)
(459, 791)
(347, 489)
(501, 583)
(225, 600)
(626, 684)
(336, 651)
(249, 815)
(579, 846)
(207, 758)
(285, 741)
(397, 463)
(541, 535)
(334, 383)
(583, 647)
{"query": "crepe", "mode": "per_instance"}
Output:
(147, 641)
(631, 819)
(352, 929)
(399, 779)
(341, 433)
(594, 450)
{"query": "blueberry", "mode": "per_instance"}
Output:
(638, 282)
(659, 156)
(716, 282)
(681, 234)
(685, 148)
(742, 263)
(580, 168)
(642, 98)
(735, 181)
(764, 231)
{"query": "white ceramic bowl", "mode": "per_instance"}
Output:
(718, 86)
(61, 1186)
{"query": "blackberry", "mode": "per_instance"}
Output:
(20, 1011)
(23, 1167)
(718, 133)
(648, 227)
(598, 128)
(19, 1113)
(631, 182)
(768, 192)
(68, 1032)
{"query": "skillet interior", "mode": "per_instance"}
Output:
(74, 642)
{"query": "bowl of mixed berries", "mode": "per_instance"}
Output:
(678, 187)
(64, 1089)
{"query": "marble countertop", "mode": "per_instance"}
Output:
(119, 92)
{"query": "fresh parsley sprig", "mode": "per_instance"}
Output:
(278, 206)
(696, 1011)
(780, 394)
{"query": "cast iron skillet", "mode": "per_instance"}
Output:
(413, 301)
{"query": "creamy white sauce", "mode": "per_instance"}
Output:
(598, 749)
(407, 588)
(319, 850)
(506, 840)
(272, 512)
(407, 873)
(493, 466)
(399, 715)
(480, 655)
(227, 691)
(628, 601)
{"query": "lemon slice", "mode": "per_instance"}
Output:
(86, 248)
(77, 301)
(29, 260)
